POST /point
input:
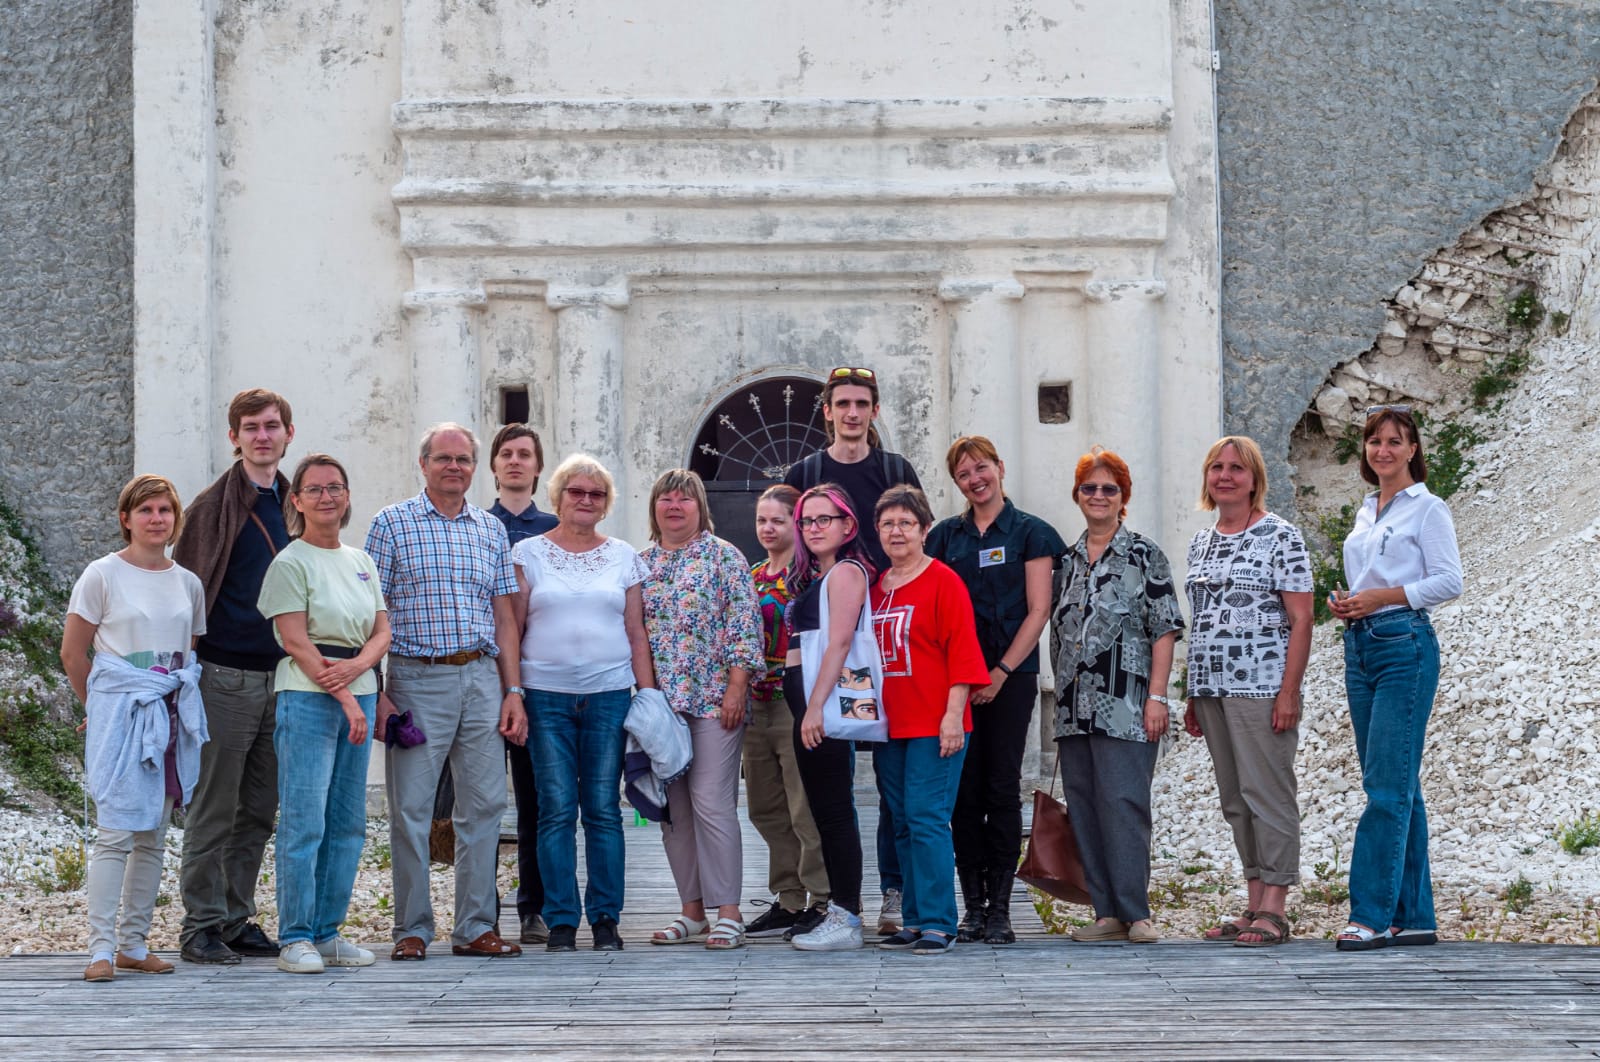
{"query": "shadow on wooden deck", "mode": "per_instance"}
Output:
(1044, 997)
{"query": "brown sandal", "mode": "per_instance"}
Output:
(1228, 931)
(412, 949)
(487, 946)
(1265, 938)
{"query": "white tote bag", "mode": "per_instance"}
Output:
(854, 709)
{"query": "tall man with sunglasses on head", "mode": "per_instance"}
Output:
(855, 460)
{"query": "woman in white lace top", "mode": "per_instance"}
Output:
(583, 649)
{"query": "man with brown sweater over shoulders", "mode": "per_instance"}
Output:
(231, 532)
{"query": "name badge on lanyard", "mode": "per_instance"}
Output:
(988, 558)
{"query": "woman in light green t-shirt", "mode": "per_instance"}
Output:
(328, 613)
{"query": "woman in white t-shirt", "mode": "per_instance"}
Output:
(1401, 559)
(1249, 586)
(328, 613)
(141, 613)
(583, 649)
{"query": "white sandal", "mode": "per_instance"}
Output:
(682, 930)
(725, 935)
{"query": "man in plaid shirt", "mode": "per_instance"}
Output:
(455, 665)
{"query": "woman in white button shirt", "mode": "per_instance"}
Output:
(1401, 560)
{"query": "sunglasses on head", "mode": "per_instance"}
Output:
(1400, 408)
(845, 372)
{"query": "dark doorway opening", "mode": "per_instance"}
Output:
(748, 443)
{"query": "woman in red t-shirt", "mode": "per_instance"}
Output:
(922, 614)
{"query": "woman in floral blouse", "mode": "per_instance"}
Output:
(705, 636)
(1113, 631)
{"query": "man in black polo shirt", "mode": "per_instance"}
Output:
(516, 458)
(854, 460)
(231, 532)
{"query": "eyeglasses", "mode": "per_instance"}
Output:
(899, 525)
(1400, 408)
(578, 494)
(845, 372)
(1105, 490)
(446, 460)
(334, 492)
(819, 522)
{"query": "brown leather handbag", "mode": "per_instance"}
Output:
(1051, 862)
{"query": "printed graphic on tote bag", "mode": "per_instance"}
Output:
(859, 708)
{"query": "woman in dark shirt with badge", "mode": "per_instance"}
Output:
(1005, 558)
(1113, 634)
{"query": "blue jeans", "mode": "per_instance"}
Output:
(576, 740)
(1391, 672)
(889, 873)
(920, 786)
(322, 812)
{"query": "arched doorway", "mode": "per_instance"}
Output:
(747, 444)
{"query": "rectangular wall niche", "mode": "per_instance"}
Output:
(1055, 403)
(513, 405)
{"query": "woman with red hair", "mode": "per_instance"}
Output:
(1115, 624)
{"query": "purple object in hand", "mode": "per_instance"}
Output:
(403, 732)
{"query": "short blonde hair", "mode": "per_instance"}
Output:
(684, 482)
(580, 465)
(141, 489)
(1250, 455)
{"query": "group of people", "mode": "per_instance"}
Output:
(245, 680)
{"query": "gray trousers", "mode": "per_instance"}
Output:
(125, 873)
(234, 805)
(1107, 785)
(1255, 778)
(703, 842)
(778, 808)
(458, 709)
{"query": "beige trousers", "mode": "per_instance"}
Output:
(1255, 778)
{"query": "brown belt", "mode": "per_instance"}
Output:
(454, 659)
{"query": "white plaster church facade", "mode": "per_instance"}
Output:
(653, 227)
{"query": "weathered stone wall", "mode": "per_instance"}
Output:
(66, 250)
(1355, 139)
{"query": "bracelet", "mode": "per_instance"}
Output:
(515, 689)
(1002, 666)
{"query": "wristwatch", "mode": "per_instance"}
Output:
(1162, 700)
(518, 690)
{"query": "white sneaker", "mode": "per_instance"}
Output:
(340, 952)
(839, 931)
(300, 957)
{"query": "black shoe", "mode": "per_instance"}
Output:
(997, 925)
(562, 938)
(606, 937)
(534, 931)
(809, 919)
(252, 940)
(975, 893)
(773, 922)
(206, 946)
(933, 944)
(901, 941)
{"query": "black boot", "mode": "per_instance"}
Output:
(997, 926)
(973, 887)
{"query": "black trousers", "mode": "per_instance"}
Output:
(827, 774)
(987, 823)
(530, 886)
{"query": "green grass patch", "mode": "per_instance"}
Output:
(1327, 563)
(40, 750)
(1577, 837)
(1518, 894)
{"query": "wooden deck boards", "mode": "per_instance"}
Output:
(1044, 997)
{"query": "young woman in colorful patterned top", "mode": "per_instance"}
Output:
(1249, 587)
(705, 637)
(776, 797)
(1114, 628)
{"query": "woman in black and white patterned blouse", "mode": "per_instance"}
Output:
(1249, 587)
